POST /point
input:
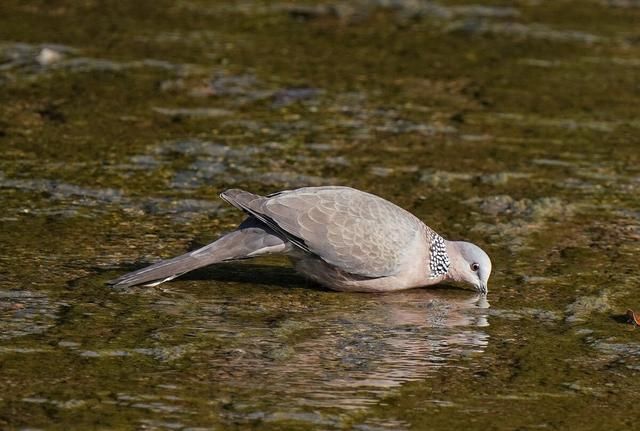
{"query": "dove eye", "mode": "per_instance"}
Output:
(475, 267)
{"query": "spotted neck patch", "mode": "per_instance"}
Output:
(439, 262)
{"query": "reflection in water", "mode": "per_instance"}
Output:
(346, 353)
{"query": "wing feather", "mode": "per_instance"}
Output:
(355, 231)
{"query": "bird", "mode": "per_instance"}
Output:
(340, 237)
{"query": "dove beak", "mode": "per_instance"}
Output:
(482, 288)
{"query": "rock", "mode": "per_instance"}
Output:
(48, 56)
(582, 308)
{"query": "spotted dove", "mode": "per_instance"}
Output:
(342, 238)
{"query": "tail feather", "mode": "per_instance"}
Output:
(164, 270)
(251, 239)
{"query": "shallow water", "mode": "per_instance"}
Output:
(510, 124)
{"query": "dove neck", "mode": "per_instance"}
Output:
(458, 264)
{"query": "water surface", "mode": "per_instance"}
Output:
(510, 124)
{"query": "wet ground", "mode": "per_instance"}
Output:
(511, 124)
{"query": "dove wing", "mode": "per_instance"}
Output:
(355, 231)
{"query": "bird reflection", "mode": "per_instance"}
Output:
(396, 339)
(436, 308)
(339, 351)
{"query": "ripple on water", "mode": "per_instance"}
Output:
(332, 355)
(516, 219)
(65, 198)
(24, 312)
(33, 61)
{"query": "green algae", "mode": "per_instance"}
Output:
(512, 125)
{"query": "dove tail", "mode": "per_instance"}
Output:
(251, 239)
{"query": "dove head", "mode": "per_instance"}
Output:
(469, 264)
